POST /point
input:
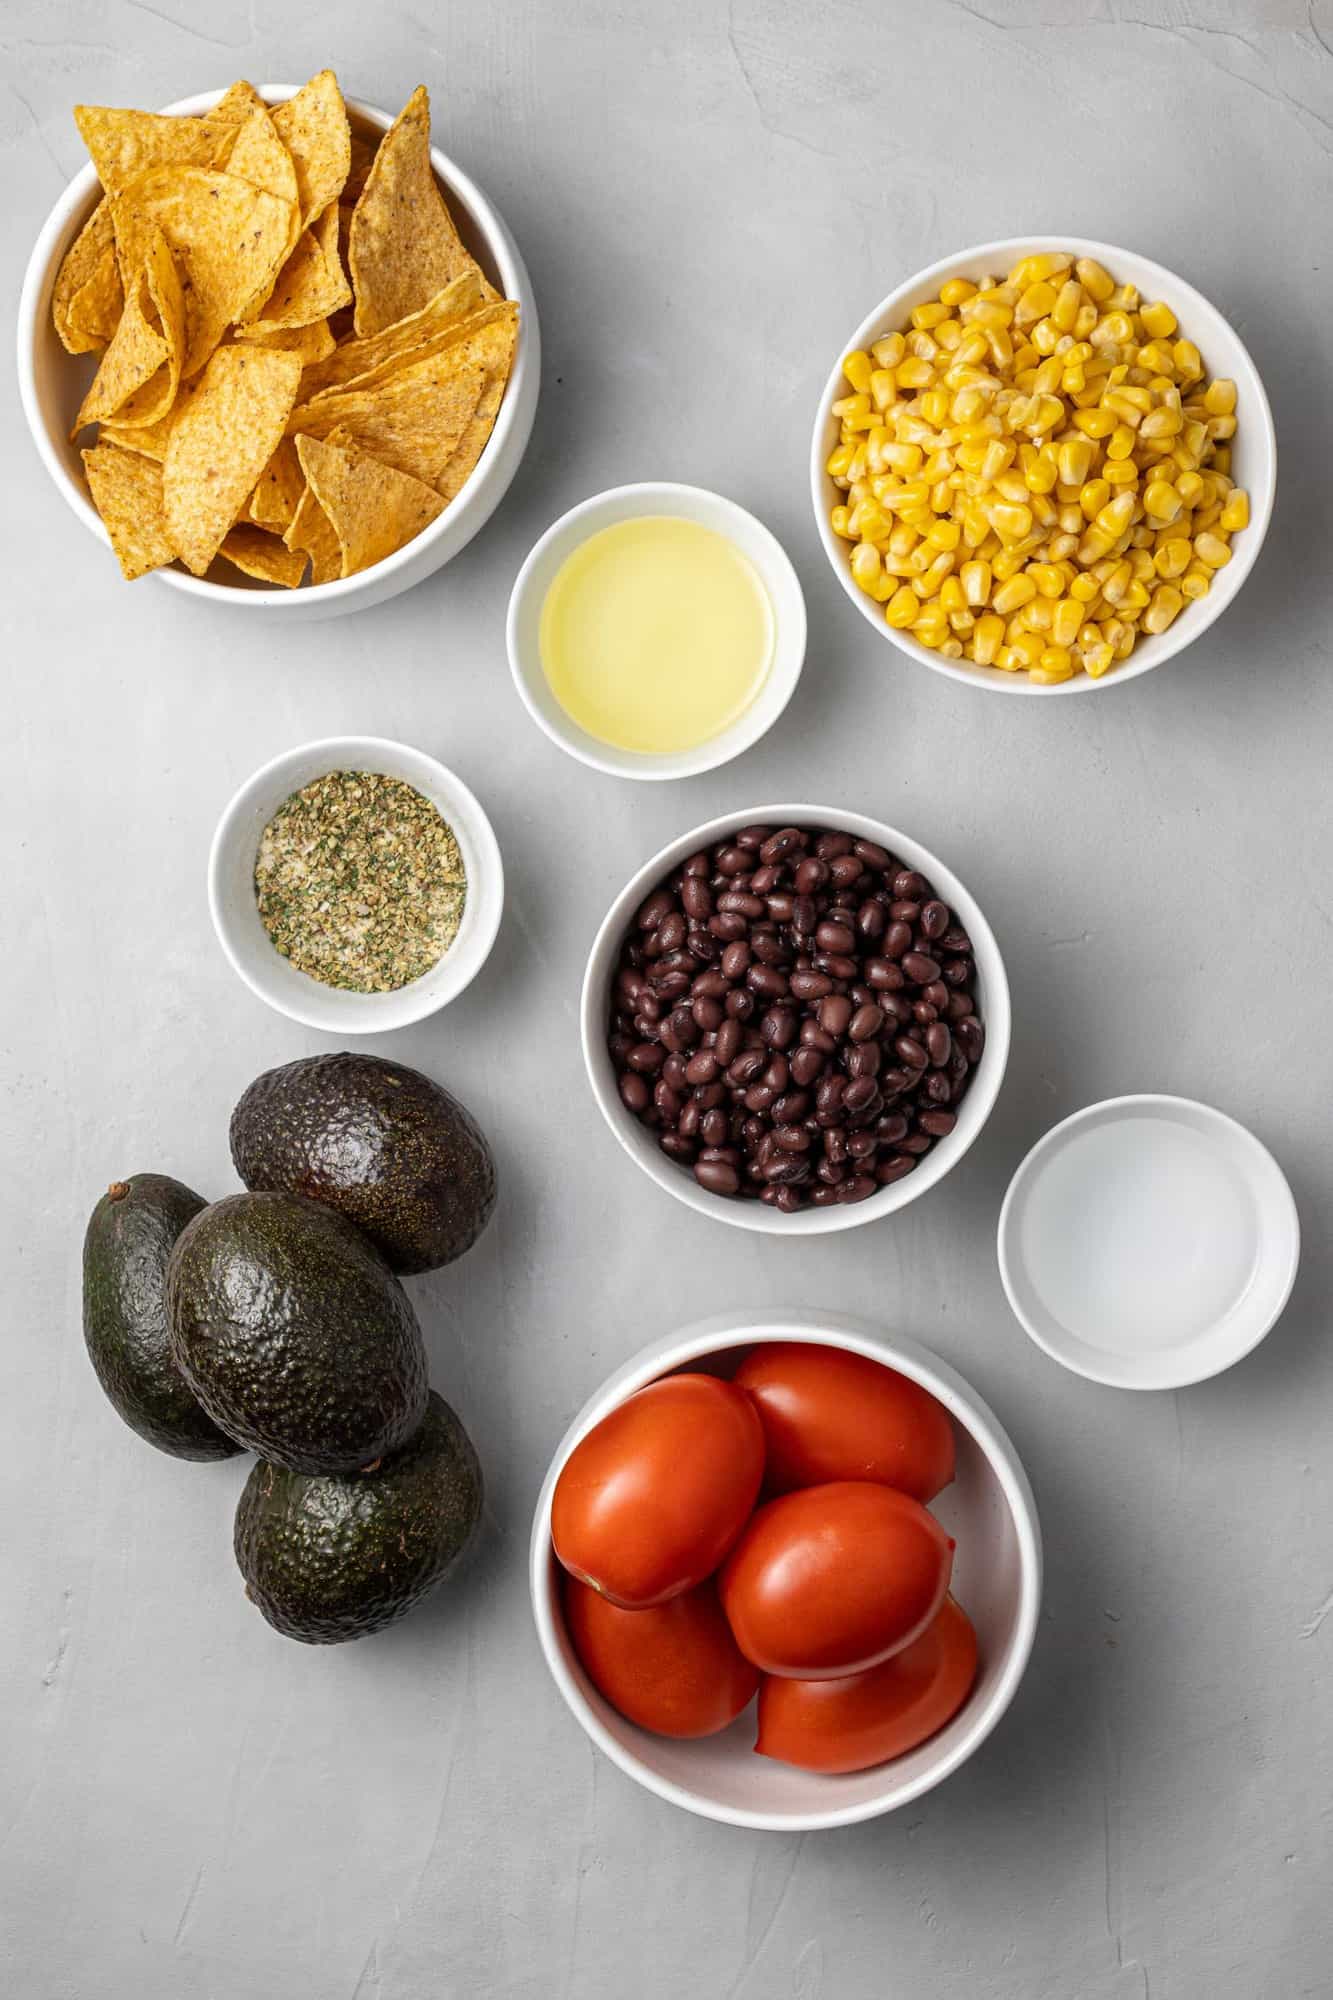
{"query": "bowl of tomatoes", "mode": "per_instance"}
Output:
(786, 1574)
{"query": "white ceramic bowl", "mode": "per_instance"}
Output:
(990, 1511)
(626, 503)
(52, 384)
(235, 912)
(992, 991)
(1253, 463)
(1148, 1242)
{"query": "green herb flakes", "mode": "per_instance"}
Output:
(360, 882)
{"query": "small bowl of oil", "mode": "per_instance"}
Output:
(656, 631)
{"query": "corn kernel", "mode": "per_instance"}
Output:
(954, 290)
(1162, 502)
(987, 639)
(1015, 591)
(1158, 320)
(1084, 589)
(1167, 603)
(1095, 279)
(1219, 398)
(1196, 582)
(902, 608)
(1236, 513)
(1093, 498)
(1066, 621)
(1075, 460)
(1011, 521)
(1096, 659)
(1212, 551)
(976, 581)
(888, 351)
(1120, 472)
(867, 563)
(1188, 360)
(838, 520)
(1116, 585)
(1055, 663)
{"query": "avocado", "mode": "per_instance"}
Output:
(129, 1239)
(328, 1558)
(384, 1145)
(294, 1334)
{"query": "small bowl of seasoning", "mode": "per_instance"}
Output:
(355, 884)
(795, 1019)
(656, 631)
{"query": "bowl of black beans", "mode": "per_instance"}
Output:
(795, 1019)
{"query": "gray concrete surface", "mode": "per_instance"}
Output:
(193, 1809)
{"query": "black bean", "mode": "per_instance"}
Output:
(717, 1176)
(865, 1023)
(634, 1092)
(920, 968)
(934, 918)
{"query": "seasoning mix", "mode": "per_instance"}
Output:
(360, 882)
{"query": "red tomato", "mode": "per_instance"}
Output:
(833, 1579)
(674, 1669)
(864, 1719)
(651, 1500)
(830, 1414)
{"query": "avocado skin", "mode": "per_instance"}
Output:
(329, 1558)
(125, 1251)
(294, 1334)
(384, 1145)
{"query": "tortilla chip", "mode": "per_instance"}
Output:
(358, 173)
(223, 436)
(140, 371)
(403, 247)
(263, 556)
(310, 533)
(414, 422)
(125, 144)
(259, 156)
(381, 353)
(235, 104)
(310, 285)
(86, 301)
(228, 238)
(278, 490)
(127, 493)
(372, 508)
(314, 343)
(313, 127)
(149, 440)
(474, 439)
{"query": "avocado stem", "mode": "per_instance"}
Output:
(117, 1190)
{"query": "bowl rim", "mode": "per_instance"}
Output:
(1001, 252)
(789, 638)
(754, 1215)
(1227, 1353)
(966, 1406)
(489, 900)
(31, 326)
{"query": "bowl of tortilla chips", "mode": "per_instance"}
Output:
(276, 348)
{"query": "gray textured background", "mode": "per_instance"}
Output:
(192, 1808)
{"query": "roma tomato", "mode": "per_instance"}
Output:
(674, 1669)
(829, 1414)
(833, 1579)
(864, 1719)
(651, 1500)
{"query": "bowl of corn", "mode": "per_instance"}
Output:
(1043, 464)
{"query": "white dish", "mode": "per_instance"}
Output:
(627, 503)
(1148, 1242)
(1253, 464)
(990, 1511)
(235, 912)
(992, 991)
(52, 384)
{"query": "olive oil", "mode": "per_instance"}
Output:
(656, 635)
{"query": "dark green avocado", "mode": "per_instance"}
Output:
(382, 1144)
(129, 1239)
(294, 1334)
(331, 1558)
